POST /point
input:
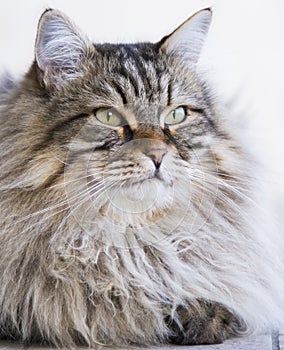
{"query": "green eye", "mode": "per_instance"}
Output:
(109, 117)
(176, 116)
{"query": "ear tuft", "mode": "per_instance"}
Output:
(60, 47)
(188, 39)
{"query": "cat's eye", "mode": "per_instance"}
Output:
(109, 117)
(176, 116)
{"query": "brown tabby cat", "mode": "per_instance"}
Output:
(128, 208)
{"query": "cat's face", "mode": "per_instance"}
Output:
(147, 129)
(136, 122)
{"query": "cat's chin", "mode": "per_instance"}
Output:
(141, 197)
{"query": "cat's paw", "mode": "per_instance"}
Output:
(207, 323)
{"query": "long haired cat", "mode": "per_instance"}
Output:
(130, 213)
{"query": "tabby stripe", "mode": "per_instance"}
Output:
(142, 72)
(169, 91)
(179, 145)
(75, 154)
(120, 92)
(128, 77)
(105, 146)
(173, 139)
(133, 82)
(62, 125)
(100, 147)
(57, 127)
(51, 180)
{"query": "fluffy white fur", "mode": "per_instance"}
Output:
(237, 263)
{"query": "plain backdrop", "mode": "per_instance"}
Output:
(243, 56)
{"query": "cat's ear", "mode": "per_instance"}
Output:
(188, 39)
(60, 48)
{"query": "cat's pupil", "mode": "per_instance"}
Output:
(109, 115)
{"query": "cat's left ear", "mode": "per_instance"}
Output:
(60, 48)
(187, 40)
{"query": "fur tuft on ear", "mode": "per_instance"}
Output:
(188, 39)
(60, 47)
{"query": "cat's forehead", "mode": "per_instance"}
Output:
(134, 71)
(138, 72)
(147, 51)
(143, 58)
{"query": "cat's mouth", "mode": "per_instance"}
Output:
(160, 177)
(156, 176)
(142, 195)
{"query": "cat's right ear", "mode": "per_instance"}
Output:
(60, 48)
(187, 40)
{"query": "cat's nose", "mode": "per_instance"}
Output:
(157, 155)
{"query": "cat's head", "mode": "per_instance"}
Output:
(134, 125)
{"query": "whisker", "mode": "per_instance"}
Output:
(220, 195)
(66, 201)
(78, 205)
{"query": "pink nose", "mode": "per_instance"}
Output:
(157, 155)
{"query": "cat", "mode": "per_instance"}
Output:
(130, 210)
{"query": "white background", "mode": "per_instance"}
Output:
(244, 53)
